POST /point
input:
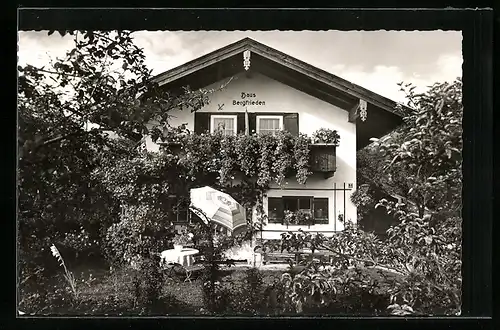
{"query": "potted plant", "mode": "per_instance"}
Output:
(303, 218)
(297, 218)
(180, 240)
(326, 136)
(289, 217)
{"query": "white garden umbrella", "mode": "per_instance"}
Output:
(219, 207)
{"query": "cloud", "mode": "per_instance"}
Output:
(384, 79)
(450, 65)
(163, 50)
(38, 48)
(376, 60)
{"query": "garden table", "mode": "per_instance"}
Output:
(184, 257)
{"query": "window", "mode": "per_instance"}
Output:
(269, 124)
(178, 209)
(297, 204)
(320, 210)
(226, 123)
(317, 207)
(275, 210)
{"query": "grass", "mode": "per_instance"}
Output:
(190, 294)
(110, 293)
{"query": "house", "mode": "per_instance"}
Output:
(278, 92)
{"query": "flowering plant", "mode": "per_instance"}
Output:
(325, 135)
(70, 278)
(182, 238)
(297, 218)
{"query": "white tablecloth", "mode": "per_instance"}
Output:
(184, 257)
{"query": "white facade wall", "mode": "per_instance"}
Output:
(313, 114)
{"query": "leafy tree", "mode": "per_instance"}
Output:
(83, 112)
(424, 248)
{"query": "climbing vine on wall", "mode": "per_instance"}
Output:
(261, 159)
(243, 166)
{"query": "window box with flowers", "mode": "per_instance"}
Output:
(297, 218)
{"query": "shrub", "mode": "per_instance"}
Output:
(140, 228)
(216, 297)
(147, 283)
(246, 296)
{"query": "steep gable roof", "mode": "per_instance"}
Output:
(228, 61)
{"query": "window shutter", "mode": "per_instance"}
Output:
(252, 122)
(240, 125)
(291, 123)
(201, 122)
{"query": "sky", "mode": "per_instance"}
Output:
(376, 60)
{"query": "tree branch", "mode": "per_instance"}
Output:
(54, 72)
(375, 264)
(65, 136)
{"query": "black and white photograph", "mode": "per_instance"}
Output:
(239, 173)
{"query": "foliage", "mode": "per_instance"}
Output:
(70, 278)
(424, 247)
(140, 229)
(270, 158)
(246, 296)
(319, 288)
(142, 182)
(297, 218)
(213, 246)
(147, 284)
(79, 116)
(364, 200)
(183, 238)
(80, 241)
(325, 135)
(423, 159)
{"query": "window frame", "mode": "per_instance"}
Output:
(323, 221)
(233, 117)
(258, 117)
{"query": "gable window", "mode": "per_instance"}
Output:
(316, 207)
(269, 124)
(224, 123)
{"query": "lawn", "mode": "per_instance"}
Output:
(105, 292)
(110, 293)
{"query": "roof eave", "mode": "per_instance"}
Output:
(272, 54)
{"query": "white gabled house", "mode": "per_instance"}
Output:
(281, 92)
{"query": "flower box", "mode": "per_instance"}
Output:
(298, 218)
(323, 158)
